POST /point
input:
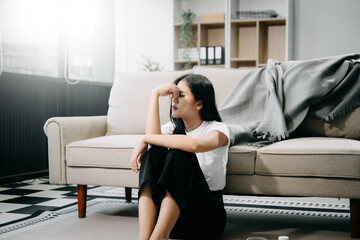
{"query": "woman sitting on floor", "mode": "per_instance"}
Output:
(183, 173)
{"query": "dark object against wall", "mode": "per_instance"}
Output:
(26, 102)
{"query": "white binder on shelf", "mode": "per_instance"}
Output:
(211, 55)
(203, 55)
(219, 55)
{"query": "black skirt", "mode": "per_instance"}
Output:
(202, 213)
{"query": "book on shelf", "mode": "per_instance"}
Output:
(203, 55)
(219, 55)
(210, 55)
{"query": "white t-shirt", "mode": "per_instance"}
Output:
(212, 163)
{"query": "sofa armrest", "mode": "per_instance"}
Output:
(63, 130)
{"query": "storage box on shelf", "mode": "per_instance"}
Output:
(212, 17)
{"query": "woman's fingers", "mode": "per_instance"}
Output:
(140, 158)
(134, 165)
(174, 91)
(169, 89)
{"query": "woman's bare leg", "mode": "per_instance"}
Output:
(169, 213)
(147, 213)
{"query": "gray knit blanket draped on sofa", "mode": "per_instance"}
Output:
(269, 103)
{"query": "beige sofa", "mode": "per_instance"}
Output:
(96, 150)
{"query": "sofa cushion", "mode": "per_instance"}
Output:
(241, 160)
(312, 157)
(129, 99)
(346, 126)
(222, 79)
(102, 152)
(115, 152)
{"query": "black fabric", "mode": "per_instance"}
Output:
(202, 213)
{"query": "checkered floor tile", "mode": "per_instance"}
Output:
(28, 198)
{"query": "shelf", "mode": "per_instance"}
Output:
(243, 39)
(242, 59)
(179, 64)
(254, 41)
(273, 21)
(214, 66)
(182, 61)
(243, 64)
(250, 42)
(179, 24)
(272, 40)
(209, 24)
(213, 24)
(212, 34)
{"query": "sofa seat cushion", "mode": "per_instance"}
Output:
(241, 160)
(115, 152)
(312, 157)
(102, 152)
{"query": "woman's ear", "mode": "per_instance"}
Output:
(199, 105)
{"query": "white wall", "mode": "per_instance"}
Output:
(317, 28)
(324, 28)
(144, 27)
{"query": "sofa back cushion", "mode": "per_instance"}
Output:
(129, 99)
(347, 126)
(222, 79)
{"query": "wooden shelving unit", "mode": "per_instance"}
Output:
(272, 40)
(253, 42)
(247, 43)
(212, 34)
(179, 64)
(205, 34)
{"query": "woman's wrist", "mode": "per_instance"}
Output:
(155, 93)
(143, 139)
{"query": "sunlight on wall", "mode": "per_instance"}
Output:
(40, 37)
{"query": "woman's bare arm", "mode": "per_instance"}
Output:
(152, 121)
(153, 116)
(212, 140)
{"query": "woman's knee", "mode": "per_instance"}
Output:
(180, 154)
(157, 149)
(180, 158)
(155, 152)
(145, 190)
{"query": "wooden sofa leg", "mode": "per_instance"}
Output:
(82, 195)
(128, 194)
(355, 217)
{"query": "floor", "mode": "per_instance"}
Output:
(30, 198)
(23, 199)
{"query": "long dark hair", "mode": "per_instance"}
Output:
(203, 90)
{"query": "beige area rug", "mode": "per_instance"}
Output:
(116, 219)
